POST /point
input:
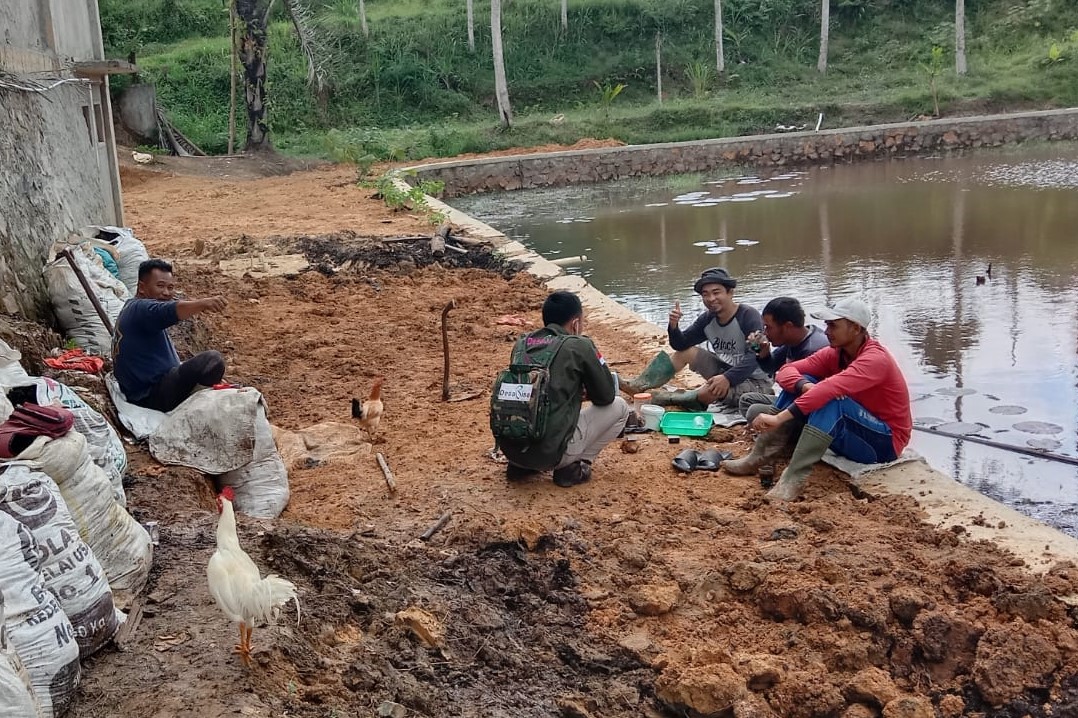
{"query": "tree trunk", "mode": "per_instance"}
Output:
(501, 88)
(363, 19)
(233, 61)
(960, 37)
(565, 15)
(253, 16)
(659, 65)
(471, 27)
(720, 60)
(825, 33)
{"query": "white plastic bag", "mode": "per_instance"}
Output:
(130, 251)
(104, 444)
(122, 546)
(68, 566)
(74, 310)
(262, 485)
(35, 622)
(17, 698)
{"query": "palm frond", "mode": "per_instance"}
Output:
(311, 43)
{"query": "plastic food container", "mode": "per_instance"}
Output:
(640, 400)
(686, 423)
(652, 416)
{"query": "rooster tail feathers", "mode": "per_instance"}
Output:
(268, 595)
(357, 409)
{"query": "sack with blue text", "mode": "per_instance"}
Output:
(520, 401)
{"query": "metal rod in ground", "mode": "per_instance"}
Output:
(66, 254)
(390, 481)
(436, 526)
(1037, 453)
(445, 348)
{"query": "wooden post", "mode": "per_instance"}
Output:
(445, 348)
(659, 65)
(232, 77)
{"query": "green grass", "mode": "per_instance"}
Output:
(413, 90)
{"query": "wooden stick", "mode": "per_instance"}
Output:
(390, 481)
(445, 348)
(1005, 447)
(127, 630)
(455, 248)
(436, 526)
(66, 254)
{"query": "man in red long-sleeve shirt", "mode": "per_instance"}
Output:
(851, 397)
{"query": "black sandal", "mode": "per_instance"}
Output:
(686, 461)
(709, 460)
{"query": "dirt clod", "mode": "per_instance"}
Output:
(1010, 660)
(654, 599)
(909, 707)
(873, 687)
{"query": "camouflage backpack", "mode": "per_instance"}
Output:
(520, 400)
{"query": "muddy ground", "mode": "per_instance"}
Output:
(643, 592)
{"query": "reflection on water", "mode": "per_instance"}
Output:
(910, 237)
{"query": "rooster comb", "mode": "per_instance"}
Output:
(228, 493)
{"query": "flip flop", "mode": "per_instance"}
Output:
(709, 460)
(686, 461)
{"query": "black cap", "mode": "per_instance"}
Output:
(715, 275)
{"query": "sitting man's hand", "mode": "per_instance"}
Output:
(766, 422)
(717, 387)
(675, 315)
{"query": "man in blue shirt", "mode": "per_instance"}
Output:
(785, 338)
(144, 360)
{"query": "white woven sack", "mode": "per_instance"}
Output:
(262, 485)
(17, 698)
(212, 431)
(104, 444)
(11, 371)
(35, 623)
(68, 566)
(122, 546)
(74, 310)
(130, 252)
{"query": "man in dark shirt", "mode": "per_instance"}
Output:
(785, 338)
(144, 360)
(574, 435)
(727, 364)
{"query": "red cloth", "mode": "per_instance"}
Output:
(77, 360)
(872, 379)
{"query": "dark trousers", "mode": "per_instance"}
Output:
(205, 369)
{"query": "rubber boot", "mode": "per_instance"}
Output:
(659, 371)
(769, 445)
(685, 398)
(810, 449)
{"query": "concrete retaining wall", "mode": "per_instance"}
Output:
(554, 169)
(48, 187)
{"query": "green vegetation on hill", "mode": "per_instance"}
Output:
(413, 90)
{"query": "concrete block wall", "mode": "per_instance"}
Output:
(50, 186)
(553, 169)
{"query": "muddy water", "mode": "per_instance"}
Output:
(913, 238)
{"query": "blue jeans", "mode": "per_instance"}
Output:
(855, 432)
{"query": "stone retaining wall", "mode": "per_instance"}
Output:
(555, 169)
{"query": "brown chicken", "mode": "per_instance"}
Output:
(369, 412)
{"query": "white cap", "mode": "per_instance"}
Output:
(852, 309)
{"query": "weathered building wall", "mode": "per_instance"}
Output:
(554, 169)
(47, 188)
(57, 163)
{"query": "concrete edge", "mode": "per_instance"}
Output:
(971, 121)
(945, 501)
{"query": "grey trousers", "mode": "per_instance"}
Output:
(753, 403)
(707, 365)
(596, 427)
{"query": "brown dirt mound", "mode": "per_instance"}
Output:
(642, 591)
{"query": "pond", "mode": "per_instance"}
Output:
(969, 265)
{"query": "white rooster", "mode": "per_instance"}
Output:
(243, 595)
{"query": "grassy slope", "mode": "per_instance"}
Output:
(413, 90)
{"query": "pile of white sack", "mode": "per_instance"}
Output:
(109, 258)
